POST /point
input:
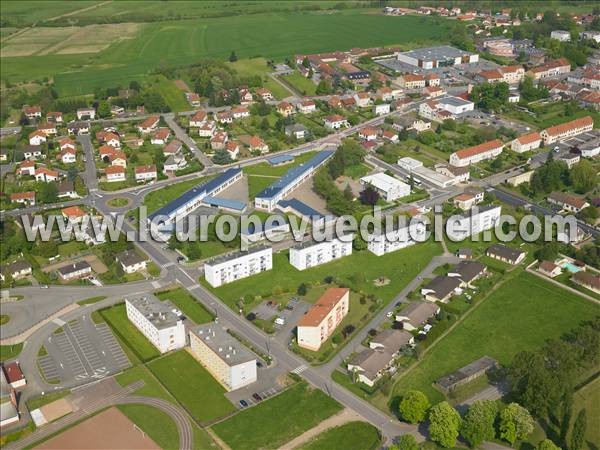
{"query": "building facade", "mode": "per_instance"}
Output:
(310, 254)
(228, 268)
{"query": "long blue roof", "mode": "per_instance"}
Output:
(294, 173)
(299, 206)
(224, 203)
(201, 190)
(280, 159)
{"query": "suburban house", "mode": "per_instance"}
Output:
(108, 138)
(18, 269)
(14, 375)
(114, 173)
(432, 79)
(24, 198)
(161, 136)
(381, 108)
(198, 119)
(587, 280)
(390, 136)
(78, 128)
(367, 133)
(240, 112)
(551, 69)
(37, 137)
(131, 261)
(33, 152)
(567, 130)
(32, 112)
(26, 168)
(570, 159)
(568, 202)
(297, 130)
(335, 122)
(66, 143)
(66, 189)
(47, 128)
(441, 289)
(285, 109)
(388, 187)
(207, 129)
(467, 272)
(527, 142)
(505, 254)
(218, 141)
(224, 117)
(362, 99)
(67, 156)
(321, 320)
(75, 271)
(467, 200)
(86, 114)
(416, 314)
(193, 99)
(549, 269)
(73, 214)
(307, 106)
(148, 125)
(172, 148)
(45, 175)
(254, 143)
(477, 153)
(265, 94)
(145, 173)
(412, 81)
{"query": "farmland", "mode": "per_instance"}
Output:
(174, 43)
(520, 315)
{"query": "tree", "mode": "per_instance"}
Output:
(103, 109)
(444, 423)
(547, 444)
(578, 433)
(302, 289)
(222, 157)
(232, 57)
(589, 214)
(405, 442)
(478, 424)
(515, 423)
(490, 96)
(135, 86)
(324, 87)
(414, 406)
(48, 193)
(369, 195)
(584, 177)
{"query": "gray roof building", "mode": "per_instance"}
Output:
(418, 313)
(467, 373)
(160, 314)
(467, 271)
(129, 258)
(229, 349)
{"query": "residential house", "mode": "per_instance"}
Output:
(477, 153)
(587, 280)
(75, 271)
(47, 128)
(362, 99)
(233, 149)
(567, 130)
(254, 143)
(66, 189)
(172, 148)
(114, 173)
(67, 156)
(568, 202)
(45, 175)
(307, 106)
(224, 117)
(73, 214)
(198, 119)
(467, 200)
(432, 79)
(161, 136)
(193, 99)
(218, 141)
(505, 254)
(467, 272)
(388, 187)
(86, 114)
(24, 198)
(66, 144)
(335, 122)
(245, 96)
(549, 269)
(33, 152)
(145, 173)
(297, 130)
(240, 112)
(207, 129)
(440, 289)
(265, 94)
(32, 112)
(381, 108)
(367, 133)
(416, 314)
(561, 35)
(149, 125)
(348, 102)
(109, 138)
(26, 168)
(551, 69)
(37, 137)
(285, 109)
(14, 375)
(526, 143)
(388, 135)
(433, 92)
(17, 270)
(412, 81)
(131, 261)
(78, 128)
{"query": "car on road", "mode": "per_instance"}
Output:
(256, 397)
(43, 286)
(243, 403)
(389, 314)
(180, 259)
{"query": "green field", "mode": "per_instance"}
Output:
(301, 84)
(176, 43)
(350, 436)
(157, 424)
(588, 397)
(258, 66)
(278, 420)
(520, 315)
(266, 169)
(192, 386)
(10, 351)
(188, 305)
(159, 198)
(358, 270)
(116, 317)
(170, 92)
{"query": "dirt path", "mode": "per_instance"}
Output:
(347, 415)
(77, 11)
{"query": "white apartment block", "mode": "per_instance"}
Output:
(478, 153)
(388, 187)
(479, 219)
(157, 321)
(229, 268)
(399, 238)
(230, 363)
(561, 35)
(321, 320)
(567, 130)
(310, 254)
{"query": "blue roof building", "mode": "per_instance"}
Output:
(280, 159)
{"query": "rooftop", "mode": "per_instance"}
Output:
(322, 307)
(229, 349)
(160, 314)
(442, 52)
(234, 255)
(481, 365)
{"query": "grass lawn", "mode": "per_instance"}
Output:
(4, 319)
(188, 305)
(258, 66)
(10, 351)
(277, 420)
(192, 386)
(155, 423)
(277, 171)
(300, 83)
(91, 300)
(350, 436)
(159, 198)
(69, 248)
(520, 315)
(118, 202)
(116, 317)
(174, 96)
(357, 271)
(42, 400)
(257, 183)
(588, 397)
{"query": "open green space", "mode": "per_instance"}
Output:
(4, 319)
(174, 97)
(266, 169)
(190, 307)
(588, 397)
(357, 271)
(350, 436)
(550, 114)
(50, 397)
(91, 300)
(160, 197)
(256, 183)
(519, 315)
(192, 386)
(10, 351)
(116, 317)
(118, 202)
(259, 67)
(175, 43)
(275, 421)
(300, 83)
(157, 424)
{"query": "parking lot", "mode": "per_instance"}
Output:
(269, 382)
(81, 351)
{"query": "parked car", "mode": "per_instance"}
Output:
(243, 403)
(256, 397)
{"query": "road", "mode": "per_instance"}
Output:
(188, 141)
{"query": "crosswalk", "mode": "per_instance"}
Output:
(298, 370)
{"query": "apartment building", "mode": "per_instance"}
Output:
(321, 320)
(310, 254)
(401, 237)
(551, 69)
(228, 361)
(388, 187)
(157, 321)
(477, 153)
(526, 143)
(235, 266)
(479, 219)
(567, 130)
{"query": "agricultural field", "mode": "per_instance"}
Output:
(176, 43)
(192, 386)
(520, 315)
(283, 417)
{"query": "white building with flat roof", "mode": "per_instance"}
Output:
(157, 321)
(401, 237)
(479, 219)
(455, 105)
(235, 266)
(227, 360)
(310, 253)
(561, 35)
(388, 187)
(441, 56)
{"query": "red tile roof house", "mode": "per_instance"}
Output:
(265, 94)
(368, 134)
(362, 99)
(114, 173)
(172, 147)
(225, 117)
(161, 136)
(335, 122)
(348, 102)
(47, 128)
(334, 101)
(66, 143)
(207, 129)
(118, 158)
(412, 81)
(67, 156)
(568, 202)
(26, 168)
(198, 119)
(307, 106)
(567, 129)
(108, 138)
(254, 143)
(46, 175)
(240, 112)
(192, 98)
(73, 214)
(37, 137)
(219, 140)
(54, 117)
(285, 109)
(390, 136)
(233, 148)
(145, 173)
(32, 112)
(148, 125)
(587, 280)
(481, 152)
(526, 142)
(26, 198)
(14, 375)
(549, 269)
